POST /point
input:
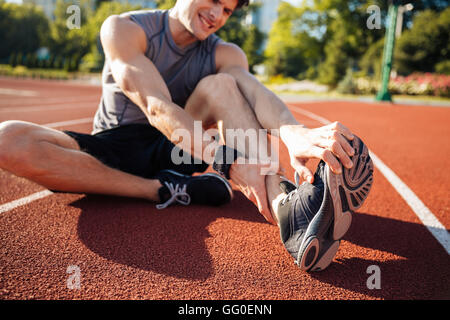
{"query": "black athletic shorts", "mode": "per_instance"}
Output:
(139, 149)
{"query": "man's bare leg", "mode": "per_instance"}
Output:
(217, 98)
(53, 159)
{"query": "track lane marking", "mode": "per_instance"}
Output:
(25, 200)
(47, 101)
(65, 106)
(424, 214)
(17, 92)
(67, 123)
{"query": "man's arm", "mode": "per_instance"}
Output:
(125, 44)
(327, 143)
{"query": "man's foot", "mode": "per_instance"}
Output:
(314, 217)
(207, 189)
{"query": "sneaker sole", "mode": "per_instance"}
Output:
(348, 192)
(350, 189)
(316, 256)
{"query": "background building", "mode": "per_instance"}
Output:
(265, 15)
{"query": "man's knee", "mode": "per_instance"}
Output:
(213, 96)
(16, 139)
(218, 87)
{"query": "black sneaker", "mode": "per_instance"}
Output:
(314, 217)
(207, 189)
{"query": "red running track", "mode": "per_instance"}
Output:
(126, 249)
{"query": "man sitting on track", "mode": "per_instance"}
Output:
(163, 71)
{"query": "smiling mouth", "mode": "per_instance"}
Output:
(206, 23)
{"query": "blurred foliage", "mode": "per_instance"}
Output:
(289, 51)
(22, 29)
(93, 60)
(323, 39)
(320, 40)
(165, 4)
(426, 44)
(443, 67)
(25, 28)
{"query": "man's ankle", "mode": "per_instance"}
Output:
(152, 193)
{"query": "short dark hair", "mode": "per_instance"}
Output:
(242, 3)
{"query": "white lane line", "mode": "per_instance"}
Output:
(16, 92)
(47, 100)
(41, 194)
(68, 123)
(25, 200)
(65, 106)
(425, 215)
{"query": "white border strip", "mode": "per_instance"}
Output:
(16, 92)
(25, 200)
(67, 123)
(425, 215)
(65, 106)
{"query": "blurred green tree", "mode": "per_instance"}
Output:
(426, 44)
(320, 39)
(70, 42)
(347, 37)
(93, 59)
(23, 28)
(284, 53)
(165, 4)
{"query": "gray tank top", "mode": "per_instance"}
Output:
(181, 70)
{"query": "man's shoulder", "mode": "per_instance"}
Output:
(229, 54)
(150, 20)
(144, 13)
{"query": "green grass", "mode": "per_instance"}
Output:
(272, 84)
(37, 73)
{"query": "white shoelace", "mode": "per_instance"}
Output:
(178, 194)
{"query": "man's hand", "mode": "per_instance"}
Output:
(252, 183)
(328, 143)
